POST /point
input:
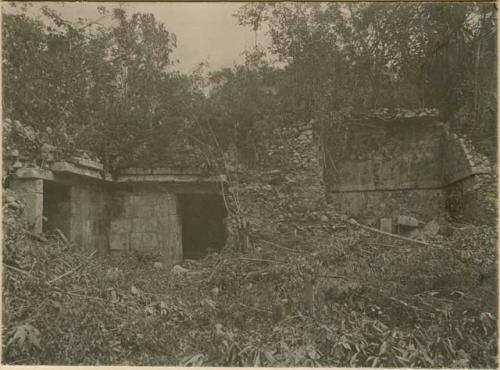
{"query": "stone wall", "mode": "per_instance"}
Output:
(145, 220)
(409, 167)
(388, 156)
(387, 169)
(89, 217)
(30, 192)
(369, 206)
(137, 212)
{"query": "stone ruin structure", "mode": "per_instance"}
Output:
(409, 164)
(395, 169)
(164, 213)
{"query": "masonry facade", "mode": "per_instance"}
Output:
(136, 212)
(403, 165)
(408, 164)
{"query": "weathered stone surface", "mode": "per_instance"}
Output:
(119, 241)
(30, 193)
(179, 270)
(151, 221)
(431, 228)
(158, 265)
(120, 226)
(425, 203)
(388, 157)
(135, 241)
(386, 225)
(70, 168)
(89, 222)
(407, 221)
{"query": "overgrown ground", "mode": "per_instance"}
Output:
(359, 299)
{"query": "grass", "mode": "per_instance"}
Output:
(347, 298)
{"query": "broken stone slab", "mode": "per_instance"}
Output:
(158, 265)
(47, 148)
(386, 225)
(179, 270)
(407, 221)
(431, 228)
(88, 163)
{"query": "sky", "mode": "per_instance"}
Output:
(205, 31)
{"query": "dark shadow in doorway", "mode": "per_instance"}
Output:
(202, 224)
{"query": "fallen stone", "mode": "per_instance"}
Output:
(431, 228)
(407, 221)
(158, 265)
(324, 218)
(344, 217)
(17, 165)
(386, 225)
(47, 148)
(179, 270)
(16, 205)
(415, 234)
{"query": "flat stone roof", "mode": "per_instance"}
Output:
(166, 175)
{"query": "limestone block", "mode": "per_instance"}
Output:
(27, 185)
(132, 203)
(121, 225)
(135, 241)
(164, 223)
(144, 211)
(407, 221)
(431, 228)
(149, 241)
(386, 225)
(143, 225)
(30, 193)
(119, 241)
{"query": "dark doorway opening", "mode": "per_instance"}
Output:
(202, 224)
(56, 207)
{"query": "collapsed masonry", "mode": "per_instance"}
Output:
(393, 169)
(397, 170)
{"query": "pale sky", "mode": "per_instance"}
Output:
(205, 31)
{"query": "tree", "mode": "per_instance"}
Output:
(106, 86)
(359, 56)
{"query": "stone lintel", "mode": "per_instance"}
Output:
(83, 162)
(181, 179)
(161, 171)
(70, 168)
(34, 173)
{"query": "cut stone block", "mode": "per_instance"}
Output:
(407, 221)
(30, 193)
(119, 242)
(120, 226)
(432, 228)
(135, 241)
(386, 225)
(143, 225)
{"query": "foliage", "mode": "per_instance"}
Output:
(368, 56)
(107, 86)
(402, 306)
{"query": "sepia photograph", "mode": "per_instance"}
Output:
(250, 184)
